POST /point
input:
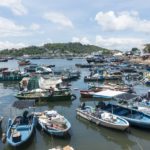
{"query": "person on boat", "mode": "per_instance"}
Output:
(25, 117)
(51, 91)
(20, 87)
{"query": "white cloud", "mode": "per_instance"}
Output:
(15, 5)
(10, 28)
(119, 43)
(10, 45)
(111, 21)
(58, 18)
(83, 40)
(34, 26)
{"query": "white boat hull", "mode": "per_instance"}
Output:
(101, 122)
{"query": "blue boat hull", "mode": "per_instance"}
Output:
(147, 83)
(134, 117)
(24, 131)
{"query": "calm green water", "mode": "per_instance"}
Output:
(84, 135)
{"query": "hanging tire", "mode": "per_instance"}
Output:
(73, 97)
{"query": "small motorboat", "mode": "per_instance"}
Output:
(102, 118)
(24, 62)
(86, 93)
(20, 129)
(53, 123)
(133, 116)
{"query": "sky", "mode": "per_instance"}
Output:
(113, 24)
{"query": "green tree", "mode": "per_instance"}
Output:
(147, 48)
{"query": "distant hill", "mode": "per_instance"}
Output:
(56, 49)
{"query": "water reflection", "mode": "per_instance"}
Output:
(11, 85)
(84, 135)
(115, 136)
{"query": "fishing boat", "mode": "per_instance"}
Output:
(69, 58)
(37, 69)
(134, 117)
(102, 77)
(69, 75)
(23, 62)
(102, 118)
(45, 95)
(96, 58)
(3, 69)
(3, 59)
(20, 129)
(53, 123)
(110, 88)
(141, 103)
(12, 75)
(86, 93)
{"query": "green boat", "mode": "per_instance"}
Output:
(59, 95)
(12, 75)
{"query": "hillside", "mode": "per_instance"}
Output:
(55, 49)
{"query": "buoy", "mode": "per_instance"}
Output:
(4, 138)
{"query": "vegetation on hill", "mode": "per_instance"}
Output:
(147, 48)
(55, 48)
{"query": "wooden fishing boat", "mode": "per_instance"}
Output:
(20, 129)
(69, 58)
(86, 93)
(12, 75)
(53, 123)
(94, 78)
(102, 118)
(3, 69)
(134, 117)
(3, 59)
(46, 95)
(116, 87)
(23, 62)
(37, 69)
(101, 92)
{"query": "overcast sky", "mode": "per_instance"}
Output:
(115, 24)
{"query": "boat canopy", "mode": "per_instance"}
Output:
(47, 83)
(107, 94)
(126, 97)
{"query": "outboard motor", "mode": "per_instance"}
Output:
(25, 117)
(100, 105)
(82, 106)
(9, 122)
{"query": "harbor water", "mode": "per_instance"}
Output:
(83, 135)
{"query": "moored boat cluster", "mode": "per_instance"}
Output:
(110, 84)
